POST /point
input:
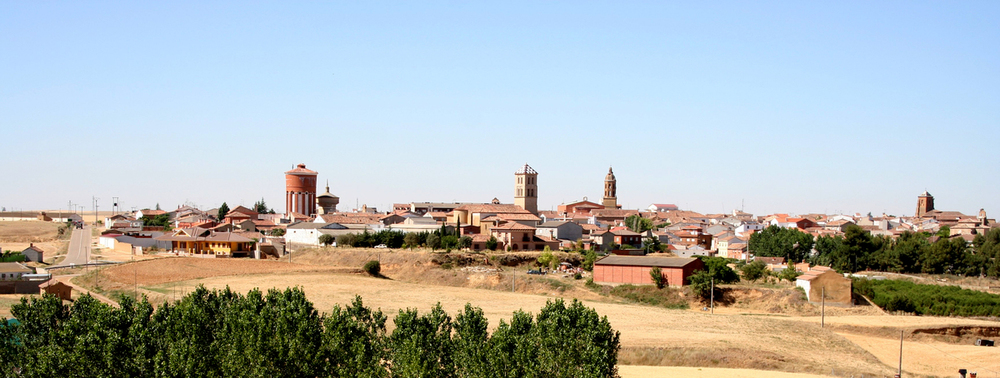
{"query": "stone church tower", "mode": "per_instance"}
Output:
(925, 203)
(610, 191)
(526, 189)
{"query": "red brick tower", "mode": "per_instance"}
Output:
(300, 191)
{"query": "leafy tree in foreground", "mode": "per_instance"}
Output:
(279, 333)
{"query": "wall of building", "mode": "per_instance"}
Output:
(639, 275)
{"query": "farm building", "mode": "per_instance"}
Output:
(616, 269)
(59, 289)
(820, 278)
(33, 253)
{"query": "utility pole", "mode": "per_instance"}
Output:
(822, 319)
(713, 296)
(899, 373)
(95, 210)
(513, 280)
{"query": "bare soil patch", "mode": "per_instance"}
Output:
(164, 270)
(703, 372)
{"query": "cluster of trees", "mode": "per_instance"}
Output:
(443, 238)
(261, 208)
(774, 241)
(637, 223)
(162, 220)
(391, 239)
(281, 334)
(858, 250)
(12, 256)
(717, 269)
(905, 296)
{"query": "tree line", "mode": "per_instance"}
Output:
(280, 334)
(858, 250)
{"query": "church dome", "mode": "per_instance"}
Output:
(327, 200)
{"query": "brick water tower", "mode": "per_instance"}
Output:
(300, 191)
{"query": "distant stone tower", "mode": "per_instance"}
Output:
(326, 203)
(983, 221)
(300, 191)
(526, 188)
(925, 203)
(610, 191)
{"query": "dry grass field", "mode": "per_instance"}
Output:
(635, 371)
(28, 231)
(745, 336)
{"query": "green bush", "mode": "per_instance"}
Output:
(937, 300)
(656, 274)
(373, 268)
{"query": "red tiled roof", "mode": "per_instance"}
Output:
(301, 169)
(513, 226)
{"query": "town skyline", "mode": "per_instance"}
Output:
(784, 107)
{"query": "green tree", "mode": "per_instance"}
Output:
(223, 210)
(589, 257)
(261, 207)
(789, 274)
(491, 243)
(434, 241)
(354, 342)
(279, 232)
(754, 271)
(421, 345)
(944, 232)
(637, 223)
(547, 259)
(373, 268)
(656, 274)
(574, 341)
(465, 242)
(774, 241)
(470, 341)
(412, 240)
(326, 239)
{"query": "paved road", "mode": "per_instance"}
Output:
(79, 247)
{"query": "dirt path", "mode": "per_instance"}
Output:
(67, 280)
(627, 371)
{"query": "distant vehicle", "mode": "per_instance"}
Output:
(532, 271)
(381, 246)
(984, 342)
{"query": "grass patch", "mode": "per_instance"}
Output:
(647, 294)
(558, 285)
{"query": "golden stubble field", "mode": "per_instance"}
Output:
(852, 344)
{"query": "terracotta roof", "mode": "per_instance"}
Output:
(625, 232)
(480, 238)
(513, 226)
(770, 260)
(613, 213)
(591, 227)
(519, 216)
(663, 262)
(493, 208)
(301, 170)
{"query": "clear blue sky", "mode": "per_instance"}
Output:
(789, 106)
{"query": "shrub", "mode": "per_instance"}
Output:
(577, 276)
(938, 300)
(657, 275)
(754, 271)
(373, 268)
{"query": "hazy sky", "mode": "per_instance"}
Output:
(789, 106)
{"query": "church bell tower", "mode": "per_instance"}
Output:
(610, 191)
(526, 189)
